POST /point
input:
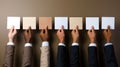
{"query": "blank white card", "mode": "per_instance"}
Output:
(13, 21)
(108, 21)
(61, 21)
(92, 21)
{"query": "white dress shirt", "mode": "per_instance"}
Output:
(26, 44)
(73, 44)
(45, 43)
(94, 44)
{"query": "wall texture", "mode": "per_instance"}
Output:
(58, 8)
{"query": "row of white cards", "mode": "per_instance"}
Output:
(63, 21)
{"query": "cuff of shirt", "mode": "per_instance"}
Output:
(28, 45)
(10, 43)
(108, 44)
(45, 43)
(92, 45)
(75, 44)
(61, 44)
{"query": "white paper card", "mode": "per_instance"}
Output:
(92, 21)
(108, 21)
(29, 22)
(61, 21)
(13, 21)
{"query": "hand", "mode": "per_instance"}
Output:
(107, 34)
(92, 35)
(44, 34)
(27, 35)
(12, 34)
(75, 35)
(61, 35)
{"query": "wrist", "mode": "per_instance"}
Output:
(61, 41)
(92, 41)
(27, 41)
(75, 41)
(45, 40)
(107, 41)
(10, 40)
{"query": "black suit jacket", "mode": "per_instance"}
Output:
(74, 56)
(92, 56)
(62, 57)
(110, 56)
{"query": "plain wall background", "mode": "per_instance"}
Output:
(52, 8)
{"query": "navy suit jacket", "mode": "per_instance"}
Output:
(74, 56)
(110, 56)
(92, 56)
(62, 57)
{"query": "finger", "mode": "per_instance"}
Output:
(108, 28)
(15, 31)
(73, 30)
(29, 27)
(46, 29)
(62, 27)
(25, 32)
(41, 33)
(92, 28)
(76, 29)
(11, 29)
(105, 31)
(89, 30)
(29, 30)
(59, 30)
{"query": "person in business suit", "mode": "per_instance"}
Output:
(27, 57)
(108, 47)
(74, 53)
(9, 56)
(92, 49)
(45, 49)
(110, 58)
(62, 52)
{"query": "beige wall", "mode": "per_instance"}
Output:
(57, 8)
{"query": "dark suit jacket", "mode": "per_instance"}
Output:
(110, 56)
(9, 57)
(92, 57)
(61, 57)
(74, 56)
(27, 58)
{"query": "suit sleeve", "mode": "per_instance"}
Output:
(74, 56)
(92, 56)
(27, 57)
(110, 56)
(61, 57)
(9, 57)
(45, 54)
